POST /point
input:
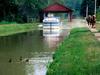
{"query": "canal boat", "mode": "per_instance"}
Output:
(51, 26)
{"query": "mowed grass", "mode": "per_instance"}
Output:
(78, 54)
(9, 29)
(98, 26)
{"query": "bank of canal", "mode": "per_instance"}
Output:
(79, 54)
(10, 29)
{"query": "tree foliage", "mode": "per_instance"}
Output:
(8, 9)
(22, 10)
(91, 6)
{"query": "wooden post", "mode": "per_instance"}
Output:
(70, 16)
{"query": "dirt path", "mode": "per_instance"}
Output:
(74, 24)
(82, 23)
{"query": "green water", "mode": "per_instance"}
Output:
(32, 46)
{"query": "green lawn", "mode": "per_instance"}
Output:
(98, 26)
(98, 16)
(9, 29)
(78, 54)
(98, 19)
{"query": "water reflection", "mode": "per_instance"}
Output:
(38, 66)
(33, 46)
(51, 41)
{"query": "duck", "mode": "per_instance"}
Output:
(10, 60)
(20, 58)
(27, 60)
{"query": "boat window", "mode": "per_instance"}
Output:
(51, 22)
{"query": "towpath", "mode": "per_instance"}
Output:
(82, 23)
(78, 23)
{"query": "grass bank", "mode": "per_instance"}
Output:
(98, 26)
(78, 54)
(9, 29)
(98, 19)
(98, 16)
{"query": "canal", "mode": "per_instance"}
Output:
(28, 53)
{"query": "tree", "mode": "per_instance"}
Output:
(20, 10)
(8, 10)
(91, 6)
(98, 3)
